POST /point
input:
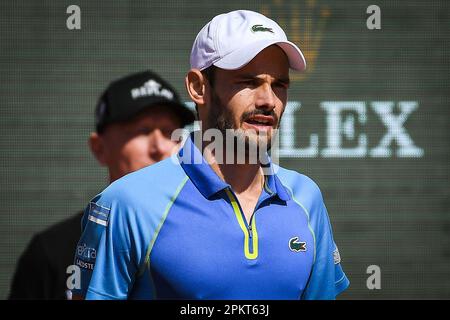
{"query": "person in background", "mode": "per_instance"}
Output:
(135, 117)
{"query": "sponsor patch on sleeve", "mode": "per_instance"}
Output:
(98, 214)
(336, 256)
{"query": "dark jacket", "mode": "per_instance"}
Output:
(41, 271)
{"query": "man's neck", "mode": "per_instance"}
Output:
(246, 180)
(243, 178)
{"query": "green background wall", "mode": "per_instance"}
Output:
(390, 211)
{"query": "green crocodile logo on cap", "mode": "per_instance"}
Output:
(296, 245)
(259, 27)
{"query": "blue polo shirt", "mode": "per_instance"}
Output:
(175, 230)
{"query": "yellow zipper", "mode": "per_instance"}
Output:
(250, 234)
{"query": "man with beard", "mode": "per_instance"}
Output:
(218, 229)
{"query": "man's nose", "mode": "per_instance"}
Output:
(160, 147)
(265, 98)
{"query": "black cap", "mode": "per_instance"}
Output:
(126, 97)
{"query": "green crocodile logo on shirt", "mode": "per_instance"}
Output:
(259, 27)
(296, 245)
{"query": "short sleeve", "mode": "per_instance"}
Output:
(103, 253)
(327, 279)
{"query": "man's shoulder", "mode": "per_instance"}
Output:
(306, 193)
(145, 187)
(298, 183)
(149, 178)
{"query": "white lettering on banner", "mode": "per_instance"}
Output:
(287, 136)
(336, 129)
(396, 131)
(341, 118)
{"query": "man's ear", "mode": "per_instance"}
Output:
(97, 147)
(196, 84)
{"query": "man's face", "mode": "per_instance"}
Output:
(250, 98)
(139, 142)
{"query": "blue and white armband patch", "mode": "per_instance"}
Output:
(98, 214)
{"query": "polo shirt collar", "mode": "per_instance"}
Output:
(198, 170)
(208, 182)
(273, 183)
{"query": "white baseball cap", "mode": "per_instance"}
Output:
(231, 40)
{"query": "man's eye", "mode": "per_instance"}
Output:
(144, 131)
(167, 133)
(282, 85)
(248, 83)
